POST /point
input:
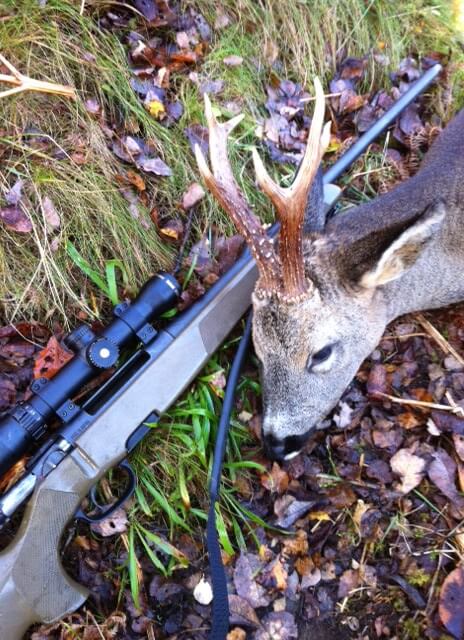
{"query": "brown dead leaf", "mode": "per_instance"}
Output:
(360, 510)
(136, 180)
(276, 480)
(288, 510)
(277, 576)
(408, 420)
(349, 580)
(222, 20)
(15, 219)
(341, 496)
(377, 381)
(51, 214)
(172, 230)
(218, 383)
(233, 61)
(236, 634)
(270, 52)
(450, 607)
(410, 468)
(442, 472)
(192, 196)
(241, 612)
(277, 625)
(310, 574)
(297, 545)
(116, 523)
(51, 359)
(246, 569)
(458, 440)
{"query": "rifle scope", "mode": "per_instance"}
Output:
(25, 424)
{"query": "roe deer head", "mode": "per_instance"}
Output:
(326, 294)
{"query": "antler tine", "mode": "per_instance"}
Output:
(290, 202)
(222, 184)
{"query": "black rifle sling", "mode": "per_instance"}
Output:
(220, 608)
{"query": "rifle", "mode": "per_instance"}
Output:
(34, 586)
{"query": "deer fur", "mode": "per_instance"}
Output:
(402, 252)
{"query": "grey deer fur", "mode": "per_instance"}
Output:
(402, 252)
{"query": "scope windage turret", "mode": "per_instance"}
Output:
(25, 424)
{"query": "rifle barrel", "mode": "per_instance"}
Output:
(381, 124)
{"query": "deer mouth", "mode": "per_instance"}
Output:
(284, 449)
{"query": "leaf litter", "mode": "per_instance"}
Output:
(360, 515)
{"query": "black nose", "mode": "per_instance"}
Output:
(278, 449)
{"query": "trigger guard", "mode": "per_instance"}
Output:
(102, 513)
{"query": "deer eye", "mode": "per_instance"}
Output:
(320, 356)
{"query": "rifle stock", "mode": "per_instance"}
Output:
(34, 587)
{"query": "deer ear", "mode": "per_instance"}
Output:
(405, 250)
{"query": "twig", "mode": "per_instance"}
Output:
(326, 95)
(421, 403)
(24, 83)
(439, 339)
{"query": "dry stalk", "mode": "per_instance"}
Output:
(24, 83)
(439, 339)
(421, 403)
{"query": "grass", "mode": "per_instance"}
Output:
(38, 277)
(61, 152)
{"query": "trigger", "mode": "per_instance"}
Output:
(105, 511)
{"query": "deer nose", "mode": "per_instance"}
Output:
(284, 448)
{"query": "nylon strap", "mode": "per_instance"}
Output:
(220, 608)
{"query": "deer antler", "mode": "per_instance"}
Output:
(225, 189)
(21, 82)
(290, 202)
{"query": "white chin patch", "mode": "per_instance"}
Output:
(292, 455)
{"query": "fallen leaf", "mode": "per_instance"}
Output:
(450, 607)
(458, 440)
(293, 512)
(136, 180)
(233, 61)
(241, 612)
(15, 219)
(276, 481)
(349, 580)
(156, 109)
(14, 195)
(297, 545)
(182, 39)
(148, 8)
(51, 214)
(115, 523)
(270, 52)
(236, 634)
(192, 196)
(247, 567)
(197, 134)
(173, 230)
(410, 468)
(277, 626)
(154, 165)
(442, 472)
(218, 383)
(222, 20)
(203, 593)
(92, 106)
(211, 87)
(377, 381)
(51, 359)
